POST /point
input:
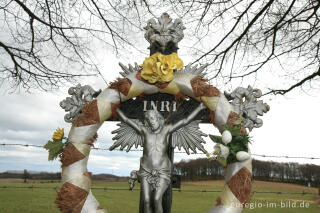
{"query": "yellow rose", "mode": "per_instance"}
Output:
(58, 134)
(150, 70)
(159, 68)
(173, 62)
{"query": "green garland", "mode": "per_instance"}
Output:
(239, 142)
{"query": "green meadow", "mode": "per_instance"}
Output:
(36, 200)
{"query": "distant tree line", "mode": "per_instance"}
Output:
(34, 176)
(207, 169)
(51, 176)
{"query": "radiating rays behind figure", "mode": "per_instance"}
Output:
(153, 135)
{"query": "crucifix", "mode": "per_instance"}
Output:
(158, 130)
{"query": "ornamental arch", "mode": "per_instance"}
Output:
(75, 194)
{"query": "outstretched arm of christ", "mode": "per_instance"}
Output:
(129, 121)
(187, 120)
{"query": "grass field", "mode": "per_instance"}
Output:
(35, 200)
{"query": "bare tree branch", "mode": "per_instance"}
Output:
(45, 43)
(300, 83)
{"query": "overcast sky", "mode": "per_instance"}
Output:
(290, 128)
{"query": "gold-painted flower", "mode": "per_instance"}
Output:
(58, 134)
(159, 68)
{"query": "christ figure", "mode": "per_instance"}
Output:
(155, 165)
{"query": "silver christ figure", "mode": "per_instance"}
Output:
(155, 165)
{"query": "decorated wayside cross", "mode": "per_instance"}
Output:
(159, 124)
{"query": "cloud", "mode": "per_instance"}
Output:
(22, 135)
(26, 112)
(111, 162)
(290, 128)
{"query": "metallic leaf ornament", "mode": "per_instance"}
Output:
(80, 95)
(127, 70)
(164, 35)
(245, 102)
(194, 70)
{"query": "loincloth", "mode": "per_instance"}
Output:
(153, 176)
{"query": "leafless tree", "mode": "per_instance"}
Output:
(46, 43)
(240, 39)
(247, 36)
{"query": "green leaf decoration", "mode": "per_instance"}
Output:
(54, 148)
(239, 142)
(223, 161)
(217, 139)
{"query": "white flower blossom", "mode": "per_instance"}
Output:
(221, 150)
(226, 137)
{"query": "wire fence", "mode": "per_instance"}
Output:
(138, 189)
(140, 150)
(3, 187)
